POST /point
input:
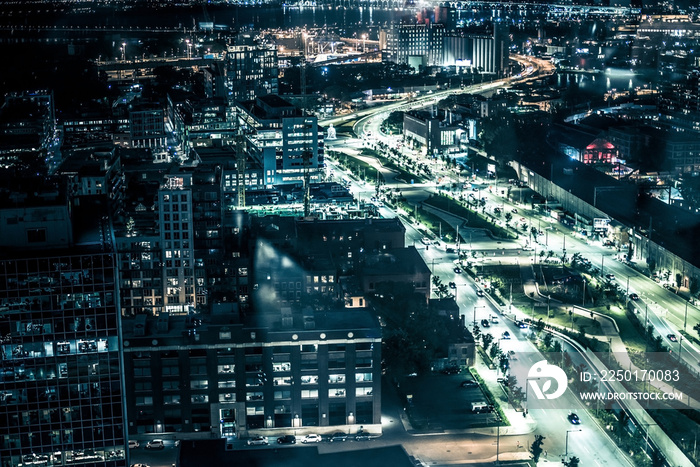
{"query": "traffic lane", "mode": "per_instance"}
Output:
(552, 416)
(656, 317)
(165, 457)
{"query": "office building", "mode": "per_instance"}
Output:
(417, 45)
(250, 71)
(432, 45)
(197, 122)
(61, 390)
(270, 373)
(428, 132)
(284, 139)
(147, 126)
(27, 130)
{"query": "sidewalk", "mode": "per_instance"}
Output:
(519, 424)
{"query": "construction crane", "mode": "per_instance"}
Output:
(240, 169)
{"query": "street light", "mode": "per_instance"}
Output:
(364, 46)
(566, 450)
(475, 307)
(498, 438)
(123, 51)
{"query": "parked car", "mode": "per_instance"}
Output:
(258, 441)
(468, 384)
(155, 444)
(479, 293)
(451, 370)
(287, 439)
(133, 444)
(503, 381)
(363, 437)
(634, 296)
(610, 276)
(340, 436)
(312, 438)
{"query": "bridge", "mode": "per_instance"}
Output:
(512, 8)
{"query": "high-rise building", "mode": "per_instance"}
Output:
(177, 237)
(155, 243)
(250, 71)
(61, 386)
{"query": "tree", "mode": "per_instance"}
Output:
(536, 447)
(556, 347)
(539, 325)
(495, 351)
(696, 328)
(503, 363)
(694, 285)
(476, 332)
(573, 462)
(509, 217)
(547, 341)
(487, 338)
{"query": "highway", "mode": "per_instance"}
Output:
(533, 68)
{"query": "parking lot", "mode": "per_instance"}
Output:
(438, 402)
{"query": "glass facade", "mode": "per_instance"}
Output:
(60, 386)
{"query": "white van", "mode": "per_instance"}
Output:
(480, 407)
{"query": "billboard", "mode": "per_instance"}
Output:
(600, 223)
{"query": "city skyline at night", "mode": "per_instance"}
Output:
(349, 233)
